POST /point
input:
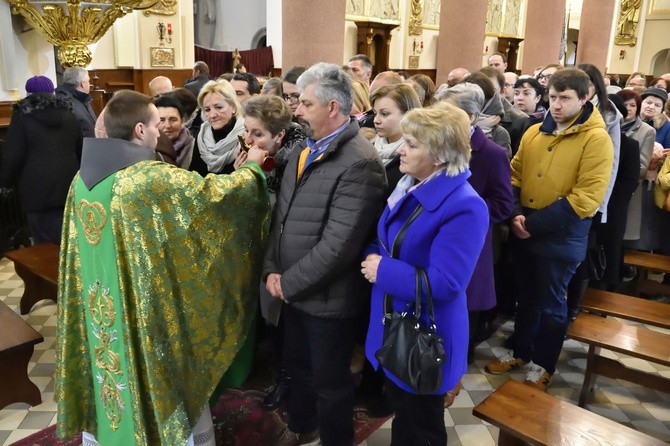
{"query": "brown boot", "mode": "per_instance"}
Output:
(451, 395)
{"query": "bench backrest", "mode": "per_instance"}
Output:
(41, 260)
(633, 340)
(14, 331)
(627, 307)
(538, 418)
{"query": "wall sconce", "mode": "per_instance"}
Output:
(622, 54)
(417, 47)
(162, 29)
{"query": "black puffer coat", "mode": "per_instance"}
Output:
(42, 151)
(321, 225)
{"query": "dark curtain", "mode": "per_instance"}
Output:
(258, 62)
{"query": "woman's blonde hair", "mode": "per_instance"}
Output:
(444, 130)
(403, 95)
(223, 88)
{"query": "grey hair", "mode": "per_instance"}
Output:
(73, 76)
(331, 84)
(467, 96)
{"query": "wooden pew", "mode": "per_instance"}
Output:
(37, 265)
(17, 342)
(646, 262)
(633, 340)
(526, 415)
(626, 307)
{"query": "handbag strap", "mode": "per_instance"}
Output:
(400, 236)
(395, 251)
(429, 297)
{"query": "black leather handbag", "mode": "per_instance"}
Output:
(411, 351)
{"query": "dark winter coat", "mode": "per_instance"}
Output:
(491, 179)
(81, 107)
(42, 151)
(321, 225)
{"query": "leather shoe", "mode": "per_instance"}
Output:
(278, 394)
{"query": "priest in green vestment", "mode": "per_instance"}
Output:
(158, 285)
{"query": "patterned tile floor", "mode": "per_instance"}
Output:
(626, 403)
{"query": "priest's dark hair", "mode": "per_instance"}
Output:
(124, 111)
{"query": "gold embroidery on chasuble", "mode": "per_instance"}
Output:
(93, 218)
(109, 375)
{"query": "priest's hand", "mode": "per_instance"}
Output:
(256, 155)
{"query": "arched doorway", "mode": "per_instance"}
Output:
(259, 40)
(660, 63)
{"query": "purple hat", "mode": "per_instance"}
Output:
(39, 84)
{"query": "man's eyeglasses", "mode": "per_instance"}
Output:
(292, 98)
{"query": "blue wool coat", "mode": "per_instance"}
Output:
(445, 240)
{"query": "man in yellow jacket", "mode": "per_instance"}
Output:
(559, 178)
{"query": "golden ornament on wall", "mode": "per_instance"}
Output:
(72, 25)
(162, 57)
(163, 7)
(416, 18)
(629, 17)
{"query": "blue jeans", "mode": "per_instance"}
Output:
(542, 312)
(318, 353)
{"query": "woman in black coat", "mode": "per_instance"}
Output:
(42, 153)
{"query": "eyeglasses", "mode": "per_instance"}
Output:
(292, 98)
(544, 77)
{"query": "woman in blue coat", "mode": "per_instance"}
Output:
(445, 239)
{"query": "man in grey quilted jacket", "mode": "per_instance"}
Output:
(330, 199)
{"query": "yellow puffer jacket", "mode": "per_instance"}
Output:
(662, 184)
(575, 164)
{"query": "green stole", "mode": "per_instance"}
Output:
(103, 312)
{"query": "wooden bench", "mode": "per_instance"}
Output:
(37, 265)
(646, 262)
(526, 415)
(633, 340)
(17, 342)
(626, 307)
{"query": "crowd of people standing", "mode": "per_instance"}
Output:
(315, 203)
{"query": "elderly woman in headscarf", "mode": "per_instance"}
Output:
(491, 113)
(491, 179)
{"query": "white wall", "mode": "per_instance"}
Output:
(240, 22)
(273, 20)
(29, 47)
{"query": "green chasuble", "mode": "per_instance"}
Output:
(158, 287)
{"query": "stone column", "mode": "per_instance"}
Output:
(544, 28)
(594, 32)
(461, 39)
(312, 31)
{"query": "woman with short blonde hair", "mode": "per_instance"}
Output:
(217, 141)
(447, 144)
(421, 231)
